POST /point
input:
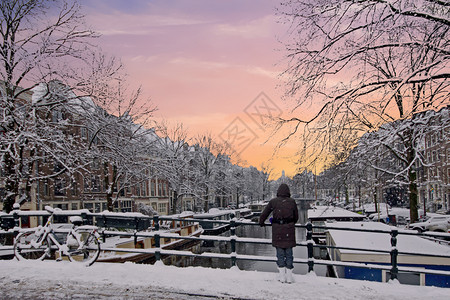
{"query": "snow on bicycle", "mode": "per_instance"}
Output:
(79, 243)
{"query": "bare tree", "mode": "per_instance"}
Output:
(34, 45)
(361, 64)
(266, 172)
(207, 162)
(172, 160)
(54, 78)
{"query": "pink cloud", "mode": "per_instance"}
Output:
(200, 62)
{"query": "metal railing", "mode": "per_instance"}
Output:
(133, 223)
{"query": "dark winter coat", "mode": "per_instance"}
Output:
(285, 215)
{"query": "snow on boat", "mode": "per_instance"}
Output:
(171, 227)
(382, 241)
(214, 214)
(320, 215)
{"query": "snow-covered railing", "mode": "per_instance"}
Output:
(133, 219)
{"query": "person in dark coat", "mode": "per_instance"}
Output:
(284, 216)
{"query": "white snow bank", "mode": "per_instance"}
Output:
(381, 241)
(55, 280)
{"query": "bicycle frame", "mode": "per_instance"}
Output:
(82, 243)
(47, 233)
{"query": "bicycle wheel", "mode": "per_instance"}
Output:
(27, 246)
(85, 252)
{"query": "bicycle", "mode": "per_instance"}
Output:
(82, 243)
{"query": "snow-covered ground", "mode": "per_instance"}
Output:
(65, 280)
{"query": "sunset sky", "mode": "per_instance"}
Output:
(209, 64)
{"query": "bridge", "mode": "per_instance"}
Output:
(65, 280)
(228, 278)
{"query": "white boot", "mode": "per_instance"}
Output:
(282, 275)
(289, 278)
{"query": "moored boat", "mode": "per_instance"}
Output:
(416, 254)
(320, 215)
(177, 227)
(206, 221)
(256, 209)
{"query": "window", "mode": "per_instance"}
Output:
(127, 206)
(96, 187)
(62, 206)
(162, 207)
(57, 116)
(95, 164)
(59, 187)
(153, 188)
(143, 189)
(46, 188)
(433, 139)
(86, 184)
(138, 190)
(89, 206)
(159, 189)
(74, 206)
(83, 132)
(74, 188)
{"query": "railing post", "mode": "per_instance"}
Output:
(16, 217)
(135, 238)
(394, 254)
(84, 218)
(309, 246)
(157, 238)
(136, 223)
(233, 242)
(16, 209)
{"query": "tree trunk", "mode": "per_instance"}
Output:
(174, 204)
(413, 196)
(11, 182)
(347, 197)
(11, 186)
(206, 204)
(110, 186)
(375, 198)
(412, 176)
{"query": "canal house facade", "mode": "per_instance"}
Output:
(88, 188)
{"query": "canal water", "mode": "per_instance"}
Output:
(249, 231)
